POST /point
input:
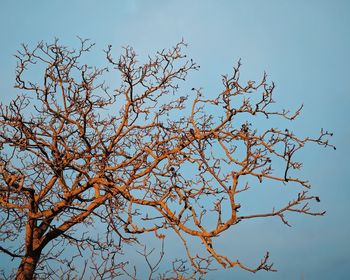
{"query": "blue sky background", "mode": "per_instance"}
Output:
(305, 48)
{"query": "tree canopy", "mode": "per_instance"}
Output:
(140, 158)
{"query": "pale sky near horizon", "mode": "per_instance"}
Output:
(304, 46)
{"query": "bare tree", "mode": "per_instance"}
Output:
(134, 160)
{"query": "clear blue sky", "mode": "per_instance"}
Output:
(305, 48)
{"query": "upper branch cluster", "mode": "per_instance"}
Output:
(65, 158)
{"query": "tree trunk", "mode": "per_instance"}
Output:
(27, 267)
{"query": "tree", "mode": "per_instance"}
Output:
(135, 160)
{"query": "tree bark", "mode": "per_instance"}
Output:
(27, 267)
